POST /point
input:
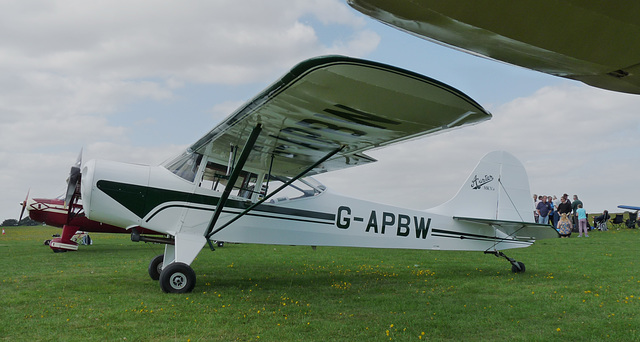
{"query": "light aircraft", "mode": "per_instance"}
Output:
(54, 212)
(248, 179)
(596, 42)
(67, 212)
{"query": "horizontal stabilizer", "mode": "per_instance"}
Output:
(518, 230)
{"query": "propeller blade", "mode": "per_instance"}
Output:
(24, 205)
(79, 159)
(73, 180)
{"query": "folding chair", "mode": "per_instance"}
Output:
(631, 221)
(618, 221)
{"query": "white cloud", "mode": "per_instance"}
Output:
(193, 40)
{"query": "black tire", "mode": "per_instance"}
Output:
(220, 243)
(518, 269)
(47, 242)
(177, 278)
(155, 267)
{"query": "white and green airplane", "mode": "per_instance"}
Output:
(248, 179)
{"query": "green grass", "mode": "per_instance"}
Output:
(574, 289)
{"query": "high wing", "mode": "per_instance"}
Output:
(596, 42)
(329, 102)
(519, 230)
(630, 207)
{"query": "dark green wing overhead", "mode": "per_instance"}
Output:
(327, 102)
(596, 42)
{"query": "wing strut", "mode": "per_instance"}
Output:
(248, 146)
(320, 161)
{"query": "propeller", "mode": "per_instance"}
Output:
(73, 180)
(24, 205)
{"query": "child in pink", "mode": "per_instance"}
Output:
(582, 221)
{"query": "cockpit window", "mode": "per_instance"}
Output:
(251, 186)
(184, 165)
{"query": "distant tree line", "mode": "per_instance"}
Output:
(27, 221)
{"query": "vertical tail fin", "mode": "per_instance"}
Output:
(497, 189)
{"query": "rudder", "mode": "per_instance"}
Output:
(497, 189)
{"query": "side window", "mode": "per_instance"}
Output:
(185, 165)
(249, 186)
(215, 178)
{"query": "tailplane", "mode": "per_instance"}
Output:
(497, 189)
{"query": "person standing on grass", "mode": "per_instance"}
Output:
(574, 208)
(582, 220)
(543, 211)
(552, 209)
(556, 215)
(565, 205)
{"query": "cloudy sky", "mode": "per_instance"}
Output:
(138, 81)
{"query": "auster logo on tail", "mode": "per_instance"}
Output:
(478, 183)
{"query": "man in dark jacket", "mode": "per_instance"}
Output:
(565, 205)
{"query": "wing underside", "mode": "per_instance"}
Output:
(596, 42)
(329, 102)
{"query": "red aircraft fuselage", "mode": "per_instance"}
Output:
(53, 212)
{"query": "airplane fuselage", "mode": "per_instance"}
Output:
(154, 198)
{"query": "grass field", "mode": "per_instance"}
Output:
(574, 289)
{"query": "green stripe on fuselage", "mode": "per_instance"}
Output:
(141, 200)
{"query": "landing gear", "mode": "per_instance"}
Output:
(516, 266)
(177, 278)
(64, 242)
(155, 267)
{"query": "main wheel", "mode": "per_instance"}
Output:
(155, 267)
(177, 278)
(518, 269)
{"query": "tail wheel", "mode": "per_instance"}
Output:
(155, 267)
(177, 278)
